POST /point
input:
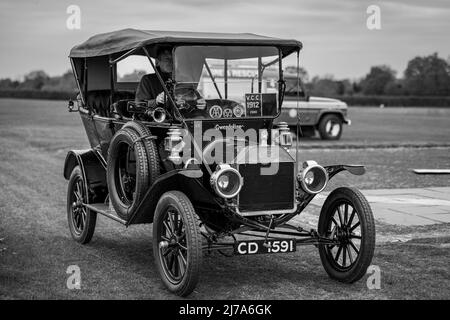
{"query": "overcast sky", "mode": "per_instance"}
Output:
(336, 41)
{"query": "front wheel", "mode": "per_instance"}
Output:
(177, 243)
(347, 219)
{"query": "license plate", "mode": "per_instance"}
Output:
(257, 246)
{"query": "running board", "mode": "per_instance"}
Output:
(104, 209)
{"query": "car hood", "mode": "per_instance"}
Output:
(321, 99)
(317, 102)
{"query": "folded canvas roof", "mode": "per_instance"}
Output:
(116, 42)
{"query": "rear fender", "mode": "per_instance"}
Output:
(92, 168)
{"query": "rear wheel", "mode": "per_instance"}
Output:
(81, 220)
(330, 127)
(177, 243)
(347, 219)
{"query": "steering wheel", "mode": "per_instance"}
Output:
(188, 98)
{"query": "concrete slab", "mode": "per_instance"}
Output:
(407, 207)
(440, 190)
(408, 200)
(439, 193)
(399, 218)
(410, 207)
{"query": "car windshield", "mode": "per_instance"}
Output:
(215, 82)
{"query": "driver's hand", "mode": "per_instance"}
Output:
(160, 98)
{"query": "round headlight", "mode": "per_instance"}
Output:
(309, 177)
(226, 181)
(223, 181)
(313, 178)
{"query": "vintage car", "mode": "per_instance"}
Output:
(207, 166)
(316, 114)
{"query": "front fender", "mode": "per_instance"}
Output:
(355, 169)
(189, 181)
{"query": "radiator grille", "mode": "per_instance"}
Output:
(266, 192)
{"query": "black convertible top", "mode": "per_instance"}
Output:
(128, 39)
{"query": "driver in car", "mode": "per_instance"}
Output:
(150, 88)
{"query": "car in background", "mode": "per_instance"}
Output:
(324, 115)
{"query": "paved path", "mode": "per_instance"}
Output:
(406, 207)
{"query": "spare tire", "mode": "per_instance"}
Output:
(150, 147)
(129, 173)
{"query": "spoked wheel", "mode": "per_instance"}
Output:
(177, 243)
(81, 220)
(346, 218)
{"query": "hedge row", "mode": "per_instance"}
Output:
(396, 101)
(387, 101)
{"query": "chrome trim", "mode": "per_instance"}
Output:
(307, 166)
(215, 176)
(158, 114)
(266, 212)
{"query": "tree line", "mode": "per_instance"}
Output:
(40, 81)
(424, 76)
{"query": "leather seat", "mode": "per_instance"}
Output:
(100, 102)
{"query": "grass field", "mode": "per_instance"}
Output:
(395, 127)
(36, 247)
